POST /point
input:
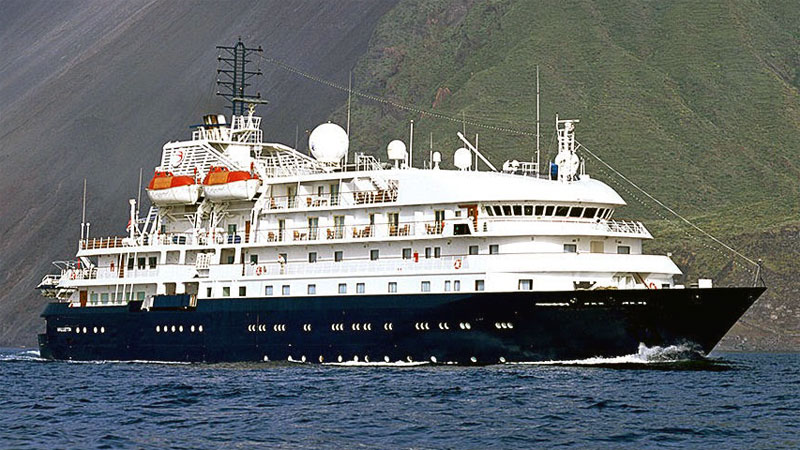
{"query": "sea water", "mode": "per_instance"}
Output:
(656, 398)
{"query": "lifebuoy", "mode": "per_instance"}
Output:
(457, 264)
(72, 276)
(259, 270)
(652, 285)
(111, 267)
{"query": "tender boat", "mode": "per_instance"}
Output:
(168, 189)
(222, 184)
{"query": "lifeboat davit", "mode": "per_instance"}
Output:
(168, 189)
(222, 184)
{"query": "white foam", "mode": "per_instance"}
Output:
(28, 355)
(644, 355)
(377, 364)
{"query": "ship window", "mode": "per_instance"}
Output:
(338, 255)
(104, 297)
(473, 249)
(230, 259)
(548, 210)
(623, 249)
(437, 252)
(312, 257)
(285, 289)
(359, 288)
(609, 212)
(460, 229)
(268, 290)
(208, 292)
(226, 291)
(506, 210)
(342, 288)
(254, 259)
(392, 287)
(570, 248)
(489, 211)
(528, 210)
(242, 291)
(576, 211)
(457, 285)
(479, 285)
(406, 253)
(140, 295)
(447, 286)
(140, 263)
(494, 249)
(312, 289)
(589, 213)
(427, 252)
(497, 210)
(93, 298)
(373, 254)
(517, 210)
(601, 212)
(561, 211)
(425, 286)
(525, 285)
(539, 210)
(130, 263)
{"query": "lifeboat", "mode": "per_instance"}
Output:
(168, 189)
(223, 184)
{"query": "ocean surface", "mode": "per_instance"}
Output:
(658, 398)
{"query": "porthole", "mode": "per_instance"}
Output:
(467, 325)
(355, 358)
(473, 359)
(192, 329)
(158, 329)
(340, 358)
(200, 328)
(94, 330)
(84, 330)
(366, 358)
(502, 360)
(77, 330)
(386, 359)
(180, 328)
(173, 328)
(433, 359)
(321, 359)
(102, 330)
(461, 325)
(497, 325)
(303, 358)
(510, 325)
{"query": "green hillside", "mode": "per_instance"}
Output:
(697, 102)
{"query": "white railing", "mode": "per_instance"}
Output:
(386, 266)
(625, 226)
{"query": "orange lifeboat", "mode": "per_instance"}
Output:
(222, 184)
(168, 189)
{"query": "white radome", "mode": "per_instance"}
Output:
(462, 159)
(396, 150)
(328, 143)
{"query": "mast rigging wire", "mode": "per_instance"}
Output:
(474, 123)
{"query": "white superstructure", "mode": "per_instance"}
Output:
(319, 227)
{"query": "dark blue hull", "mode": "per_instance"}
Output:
(465, 328)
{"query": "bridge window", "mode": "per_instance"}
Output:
(528, 210)
(576, 211)
(497, 210)
(548, 210)
(489, 211)
(506, 210)
(517, 210)
(561, 211)
(589, 213)
(538, 210)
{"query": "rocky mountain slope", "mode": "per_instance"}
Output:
(94, 89)
(695, 102)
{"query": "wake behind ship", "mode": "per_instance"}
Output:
(254, 251)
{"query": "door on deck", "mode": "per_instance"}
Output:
(247, 231)
(84, 297)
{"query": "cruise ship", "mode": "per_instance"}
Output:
(255, 251)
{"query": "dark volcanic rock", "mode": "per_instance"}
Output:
(94, 89)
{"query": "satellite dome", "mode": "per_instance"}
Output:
(437, 157)
(462, 159)
(396, 150)
(328, 143)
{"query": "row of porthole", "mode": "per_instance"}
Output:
(85, 330)
(634, 303)
(178, 329)
(361, 327)
(386, 359)
(504, 325)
